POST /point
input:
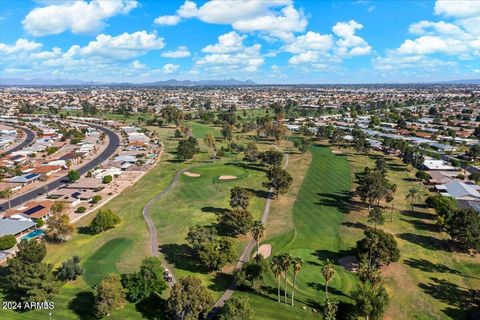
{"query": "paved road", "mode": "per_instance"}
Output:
(151, 226)
(113, 143)
(30, 137)
(247, 252)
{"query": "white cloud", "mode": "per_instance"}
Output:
(167, 20)
(188, 10)
(460, 37)
(124, 46)
(137, 65)
(304, 57)
(280, 26)
(76, 16)
(431, 44)
(310, 41)
(312, 47)
(229, 42)
(21, 45)
(277, 18)
(428, 27)
(419, 63)
(230, 54)
(458, 9)
(350, 44)
(170, 68)
(180, 52)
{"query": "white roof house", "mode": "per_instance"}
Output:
(459, 190)
(112, 171)
(434, 164)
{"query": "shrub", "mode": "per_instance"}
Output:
(70, 269)
(107, 179)
(104, 220)
(422, 175)
(39, 222)
(8, 241)
(81, 210)
(96, 199)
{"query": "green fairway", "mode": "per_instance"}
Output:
(199, 200)
(318, 211)
(429, 281)
(104, 260)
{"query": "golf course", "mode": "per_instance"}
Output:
(327, 220)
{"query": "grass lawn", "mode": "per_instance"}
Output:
(199, 200)
(312, 234)
(100, 263)
(122, 248)
(429, 281)
(76, 297)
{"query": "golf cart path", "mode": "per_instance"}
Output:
(151, 226)
(248, 249)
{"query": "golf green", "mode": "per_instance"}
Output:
(103, 261)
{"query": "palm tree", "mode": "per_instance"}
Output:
(7, 193)
(375, 216)
(286, 262)
(277, 267)
(257, 232)
(297, 264)
(392, 188)
(328, 273)
(363, 271)
(414, 195)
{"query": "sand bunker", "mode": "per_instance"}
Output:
(227, 177)
(191, 174)
(265, 250)
(349, 262)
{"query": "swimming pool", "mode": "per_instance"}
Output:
(34, 234)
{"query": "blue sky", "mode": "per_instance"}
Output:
(268, 41)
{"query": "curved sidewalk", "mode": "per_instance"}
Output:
(151, 226)
(248, 249)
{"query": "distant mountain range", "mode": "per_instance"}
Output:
(165, 83)
(466, 81)
(188, 83)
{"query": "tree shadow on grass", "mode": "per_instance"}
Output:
(217, 211)
(427, 266)
(396, 167)
(82, 305)
(259, 193)
(153, 308)
(248, 166)
(418, 214)
(321, 287)
(422, 225)
(182, 257)
(333, 256)
(463, 302)
(270, 292)
(427, 242)
(341, 201)
(85, 230)
(356, 225)
(221, 281)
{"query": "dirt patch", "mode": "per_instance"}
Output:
(191, 174)
(350, 263)
(265, 250)
(227, 178)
